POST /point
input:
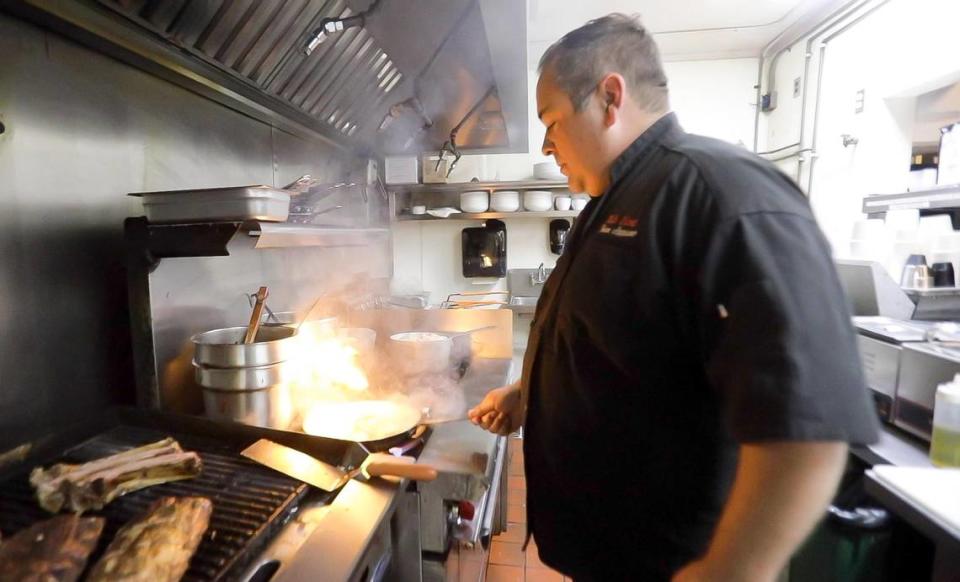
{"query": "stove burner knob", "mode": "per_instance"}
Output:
(467, 510)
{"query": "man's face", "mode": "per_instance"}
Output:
(574, 138)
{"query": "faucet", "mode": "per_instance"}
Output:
(540, 277)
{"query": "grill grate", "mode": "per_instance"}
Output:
(250, 502)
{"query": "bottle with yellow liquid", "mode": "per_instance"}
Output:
(945, 444)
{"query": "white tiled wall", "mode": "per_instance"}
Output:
(427, 255)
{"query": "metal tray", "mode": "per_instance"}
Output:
(258, 202)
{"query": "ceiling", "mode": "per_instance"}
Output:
(701, 29)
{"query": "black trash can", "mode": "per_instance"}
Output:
(850, 545)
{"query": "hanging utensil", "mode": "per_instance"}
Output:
(313, 471)
(254, 324)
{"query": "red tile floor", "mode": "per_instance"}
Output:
(507, 561)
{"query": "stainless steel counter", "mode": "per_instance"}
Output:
(470, 461)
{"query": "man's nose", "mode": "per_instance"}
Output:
(547, 147)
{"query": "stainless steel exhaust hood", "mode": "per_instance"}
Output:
(401, 82)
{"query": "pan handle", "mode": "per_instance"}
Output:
(399, 469)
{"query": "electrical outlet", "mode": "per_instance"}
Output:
(858, 102)
(796, 87)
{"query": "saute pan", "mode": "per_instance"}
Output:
(378, 425)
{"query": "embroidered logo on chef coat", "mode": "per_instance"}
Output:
(620, 225)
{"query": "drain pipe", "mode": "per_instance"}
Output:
(823, 57)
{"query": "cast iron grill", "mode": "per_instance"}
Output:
(250, 502)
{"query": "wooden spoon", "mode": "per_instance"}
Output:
(254, 325)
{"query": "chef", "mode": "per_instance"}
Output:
(691, 382)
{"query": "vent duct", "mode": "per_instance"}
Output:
(354, 85)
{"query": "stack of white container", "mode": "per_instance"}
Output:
(903, 233)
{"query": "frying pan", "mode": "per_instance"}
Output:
(407, 423)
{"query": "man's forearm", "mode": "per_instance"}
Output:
(780, 493)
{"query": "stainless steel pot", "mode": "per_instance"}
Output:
(241, 379)
(415, 353)
(219, 348)
(257, 395)
(271, 407)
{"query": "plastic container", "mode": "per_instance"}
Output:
(945, 443)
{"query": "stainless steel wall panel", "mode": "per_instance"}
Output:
(345, 91)
(163, 13)
(223, 27)
(279, 77)
(347, 41)
(348, 64)
(82, 131)
(282, 32)
(250, 31)
(196, 17)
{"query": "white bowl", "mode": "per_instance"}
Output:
(579, 202)
(537, 200)
(476, 201)
(505, 201)
(547, 171)
(562, 202)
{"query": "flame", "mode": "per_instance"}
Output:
(326, 368)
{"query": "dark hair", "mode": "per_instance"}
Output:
(616, 43)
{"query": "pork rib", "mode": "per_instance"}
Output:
(156, 547)
(54, 549)
(92, 485)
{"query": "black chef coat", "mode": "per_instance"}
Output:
(696, 307)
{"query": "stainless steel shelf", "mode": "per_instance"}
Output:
(490, 215)
(279, 234)
(940, 197)
(490, 186)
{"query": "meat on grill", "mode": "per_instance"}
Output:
(156, 547)
(55, 549)
(92, 485)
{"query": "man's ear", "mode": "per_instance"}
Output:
(612, 93)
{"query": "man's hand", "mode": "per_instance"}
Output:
(500, 411)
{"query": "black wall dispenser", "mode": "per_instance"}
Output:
(559, 230)
(485, 250)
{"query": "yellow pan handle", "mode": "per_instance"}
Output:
(405, 470)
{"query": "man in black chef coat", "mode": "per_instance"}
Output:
(691, 382)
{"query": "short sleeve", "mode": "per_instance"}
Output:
(782, 351)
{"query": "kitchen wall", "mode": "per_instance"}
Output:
(902, 49)
(714, 98)
(81, 131)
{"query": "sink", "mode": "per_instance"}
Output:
(523, 304)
